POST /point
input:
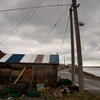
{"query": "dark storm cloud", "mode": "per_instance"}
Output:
(90, 32)
(30, 37)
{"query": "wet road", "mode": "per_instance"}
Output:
(89, 84)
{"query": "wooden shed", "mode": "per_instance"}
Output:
(39, 68)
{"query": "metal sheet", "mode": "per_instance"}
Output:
(2, 55)
(26, 58)
(5, 57)
(15, 58)
(32, 59)
(46, 59)
(54, 59)
(29, 58)
(39, 59)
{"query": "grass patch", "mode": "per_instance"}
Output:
(72, 96)
(59, 68)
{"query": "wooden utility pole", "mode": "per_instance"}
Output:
(78, 43)
(72, 47)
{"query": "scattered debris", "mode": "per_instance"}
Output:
(64, 82)
(33, 93)
(40, 87)
(2, 89)
(42, 93)
(15, 93)
(55, 94)
(19, 86)
(59, 94)
(66, 90)
(73, 88)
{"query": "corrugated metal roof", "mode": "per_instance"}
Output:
(54, 59)
(26, 58)
(15, 58)
(1, 55)
(29, 58)
(4, 58)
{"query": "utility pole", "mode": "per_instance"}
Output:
(72, 48)
(78, 43)
(64, 61)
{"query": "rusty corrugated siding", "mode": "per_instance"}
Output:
(39, 59)
(2, 55)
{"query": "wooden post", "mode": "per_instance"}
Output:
(20, 75)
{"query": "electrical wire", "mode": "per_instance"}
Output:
(58, 18)
(80, 1)
(50, 31)
(65, 30)
(64, 34)
(32, 7)
(60, 24)
(21, 22)
(25, 17)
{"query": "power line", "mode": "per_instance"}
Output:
(21, 22)
(80, 1)
(64, 34)
(29, 18)
(65, 31)
(58, 17)
(50, 32)
(60, 14)
(60, 24)
(45, 39)
(32, 7)
(47, 36)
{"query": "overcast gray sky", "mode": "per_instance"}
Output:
(29, 36)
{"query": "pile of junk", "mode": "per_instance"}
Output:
(19, 91)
